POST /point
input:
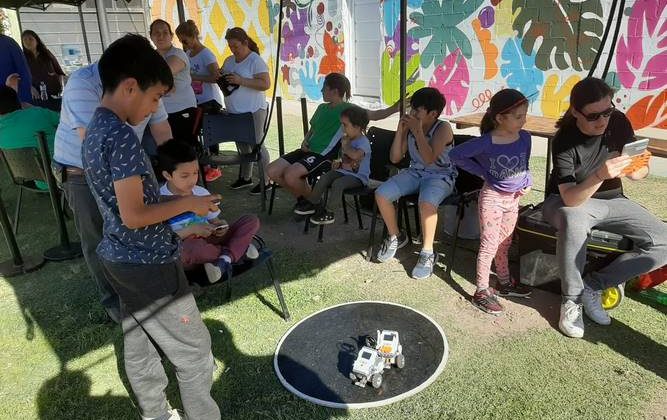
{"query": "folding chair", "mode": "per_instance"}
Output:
(238, 128)
(27, 166)
(198, 275)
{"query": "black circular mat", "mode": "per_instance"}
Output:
(314, 358)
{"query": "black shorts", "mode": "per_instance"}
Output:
(314, 163)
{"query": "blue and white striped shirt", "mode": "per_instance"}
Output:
(81, 96)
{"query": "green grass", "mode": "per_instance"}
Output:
(59, 355)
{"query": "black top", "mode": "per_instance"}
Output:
(45, 68)
(576, 155)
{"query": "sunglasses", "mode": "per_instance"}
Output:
(594, 116)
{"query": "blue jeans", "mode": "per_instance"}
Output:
(431, 189)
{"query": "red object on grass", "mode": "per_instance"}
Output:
(649, 280)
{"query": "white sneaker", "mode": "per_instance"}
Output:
(593, 306)
(571, 322)
(174, 414)
(252, 253)
(213, 272)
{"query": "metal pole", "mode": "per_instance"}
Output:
(18, 19)
(281, 133)
(404, 53)
(304, 115)
(105, 37)
(85, 35)
(181, 11)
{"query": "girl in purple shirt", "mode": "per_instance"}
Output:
(500, 156)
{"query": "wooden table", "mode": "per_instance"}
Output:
(658, 140)
(537, 126)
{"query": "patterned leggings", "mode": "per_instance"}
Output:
(498, 212)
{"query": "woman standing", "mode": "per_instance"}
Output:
(44, 68)
(204, 68)
(180, 102)
(246, 69)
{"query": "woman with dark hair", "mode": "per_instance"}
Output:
(180, 102)
(586, 192)
(248, 72)
(204, 68)
(44, 66)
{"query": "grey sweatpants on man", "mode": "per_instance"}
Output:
(259, 117)
(617, 215)
(159, 311)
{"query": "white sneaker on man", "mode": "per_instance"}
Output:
(593, 306)
(571, 322)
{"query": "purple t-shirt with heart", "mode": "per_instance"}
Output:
(504, 167)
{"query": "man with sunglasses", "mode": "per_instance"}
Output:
(586, 192)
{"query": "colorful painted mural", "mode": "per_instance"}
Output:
(468, 49)
(312, 36)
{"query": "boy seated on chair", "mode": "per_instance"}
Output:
(206, 240)
(431, 174)
(352, 170)
(19, 127)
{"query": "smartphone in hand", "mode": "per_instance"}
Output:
(635, 148)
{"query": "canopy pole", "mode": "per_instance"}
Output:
(181, 11)
(404, 53)
(85, 35)
(18, 20)
(103, 24)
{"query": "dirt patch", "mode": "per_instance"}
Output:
(657, 409)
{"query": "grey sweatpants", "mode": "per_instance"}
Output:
(259, 117)
(338, 182)
(618, 215)
(158, 309)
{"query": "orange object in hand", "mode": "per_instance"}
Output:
(637, 163)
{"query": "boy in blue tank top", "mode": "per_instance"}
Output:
(431, 174)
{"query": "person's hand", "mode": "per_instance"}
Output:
(525, 190)
(202, 205)
(636, 169)
(234, 79)
(201, 230)
(335, 164)
(304, 146)
(13, 81)
(613, 168)
(35, 93)
(411, 123)
(219, 231)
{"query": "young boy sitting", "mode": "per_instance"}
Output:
(206, 240)
(138, 251)
(431, 174)
(351, 171)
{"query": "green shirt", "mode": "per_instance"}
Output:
(19, 128)
(324, 124)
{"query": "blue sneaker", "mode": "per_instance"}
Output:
(424, 267)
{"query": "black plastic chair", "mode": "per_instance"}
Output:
(198, 275)
(238, 128)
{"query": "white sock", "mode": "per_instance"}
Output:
(226, 257)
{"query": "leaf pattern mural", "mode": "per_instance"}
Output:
(555, 100)
(390, 85)
(452, 79)
(638, 64)
(569, 31)
(438, 20)
(519, 69)
(650, 111)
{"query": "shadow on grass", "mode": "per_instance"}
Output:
(59, 302)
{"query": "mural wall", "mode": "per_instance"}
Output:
(312, 36)
(467, 49)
